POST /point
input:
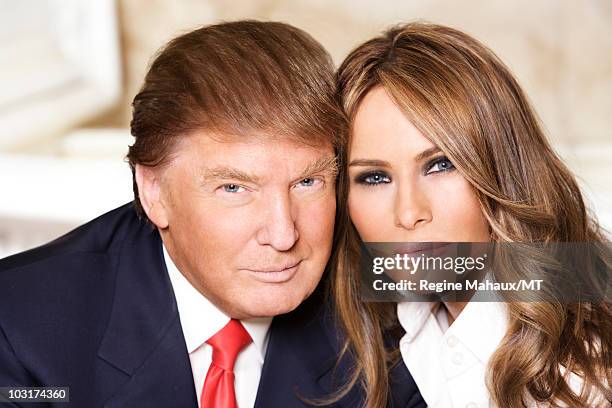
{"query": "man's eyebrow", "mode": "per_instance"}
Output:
(226, 172)
(323, 164)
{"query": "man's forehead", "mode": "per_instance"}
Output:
(248, 135)
(254, 148)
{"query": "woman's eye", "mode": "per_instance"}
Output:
(439, 165)
(232, 188)
(373, 179)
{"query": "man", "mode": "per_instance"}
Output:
(168, 301)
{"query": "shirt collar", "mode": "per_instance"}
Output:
(201, 319)
(413, 316)
(480, 326)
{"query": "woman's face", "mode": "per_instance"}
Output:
(402, 187)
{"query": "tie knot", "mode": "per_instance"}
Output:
(227, 343)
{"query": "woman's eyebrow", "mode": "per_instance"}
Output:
(369, 162)
(381, 163)
(426, 153)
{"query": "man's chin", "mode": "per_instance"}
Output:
(270, 306)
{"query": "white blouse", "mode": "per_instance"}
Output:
(449, 363)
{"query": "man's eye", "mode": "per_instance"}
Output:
(373, 178)
(439, 165)
(308, 182)
(232, 188)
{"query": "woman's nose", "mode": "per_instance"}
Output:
(412, 209)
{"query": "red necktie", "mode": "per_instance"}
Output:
(218, 391)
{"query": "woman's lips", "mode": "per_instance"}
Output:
(432, 248)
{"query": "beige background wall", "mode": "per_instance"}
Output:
(68, 173)
(560, 50)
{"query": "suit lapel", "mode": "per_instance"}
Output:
(142, 359)
(164, 379)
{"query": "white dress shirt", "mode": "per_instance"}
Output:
(200, 320)
(449, 364)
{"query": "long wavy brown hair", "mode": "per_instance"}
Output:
(460, 95)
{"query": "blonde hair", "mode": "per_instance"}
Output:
(466, 101)
(239, 79)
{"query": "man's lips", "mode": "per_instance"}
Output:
(274, 274)
(274, 268)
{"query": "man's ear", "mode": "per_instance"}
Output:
(149, 185)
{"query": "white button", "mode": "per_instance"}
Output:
(457, 358)
(452, 341)
(472, 405)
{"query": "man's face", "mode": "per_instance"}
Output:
(249, 224)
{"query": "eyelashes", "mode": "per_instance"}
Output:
(372, 178)
(439, 164)
(376, 177)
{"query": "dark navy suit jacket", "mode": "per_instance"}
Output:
(94, 310)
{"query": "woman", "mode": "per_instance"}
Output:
(444, 147)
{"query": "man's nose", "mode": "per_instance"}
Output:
(278, 229)
(411, 208)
